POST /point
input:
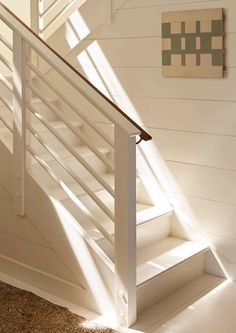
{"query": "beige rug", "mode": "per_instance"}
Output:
(23, 312)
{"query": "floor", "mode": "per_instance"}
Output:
(206, 312)
(23, 312)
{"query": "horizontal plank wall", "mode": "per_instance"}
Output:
(192, 121)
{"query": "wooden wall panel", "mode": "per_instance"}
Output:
(156, 3)
(207, 215)
(17, 226)
(196, 148)
(149, 83)
(203, 182)
(121, 26)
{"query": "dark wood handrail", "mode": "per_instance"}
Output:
(143, 136)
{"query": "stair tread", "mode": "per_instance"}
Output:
(163, 255)
(159, 257)
(105, 222)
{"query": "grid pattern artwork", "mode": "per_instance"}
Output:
(193, 43)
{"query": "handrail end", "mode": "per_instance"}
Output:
(145, 136)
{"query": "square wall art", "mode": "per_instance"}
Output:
(193, 43)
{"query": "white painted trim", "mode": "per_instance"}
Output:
(125, 227)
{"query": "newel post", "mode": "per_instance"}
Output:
(125, 227)
(19, 119)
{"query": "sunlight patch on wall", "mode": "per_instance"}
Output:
(92, 73)
(76, 29)
(71, 37)
(80, 26)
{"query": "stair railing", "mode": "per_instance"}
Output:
(124, 166)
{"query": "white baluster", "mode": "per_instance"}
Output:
(19, 118)
(125, 226)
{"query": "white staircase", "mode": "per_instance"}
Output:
(92, 175)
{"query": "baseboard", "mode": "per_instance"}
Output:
(57, 290)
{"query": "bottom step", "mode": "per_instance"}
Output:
(156, 258)
(188, 266)
(163, 311)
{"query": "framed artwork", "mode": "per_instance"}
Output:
(193, 43)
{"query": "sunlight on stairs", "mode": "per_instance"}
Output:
(74, 161)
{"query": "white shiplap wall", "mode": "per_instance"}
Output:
(20, 240)
(192, 121)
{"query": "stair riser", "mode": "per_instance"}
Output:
(60, 195)
(162, 285)
(154, 230)
(143, 195)
(86, 223)
(95, 137)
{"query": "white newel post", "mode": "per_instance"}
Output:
(125, 226)
(19, 119)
